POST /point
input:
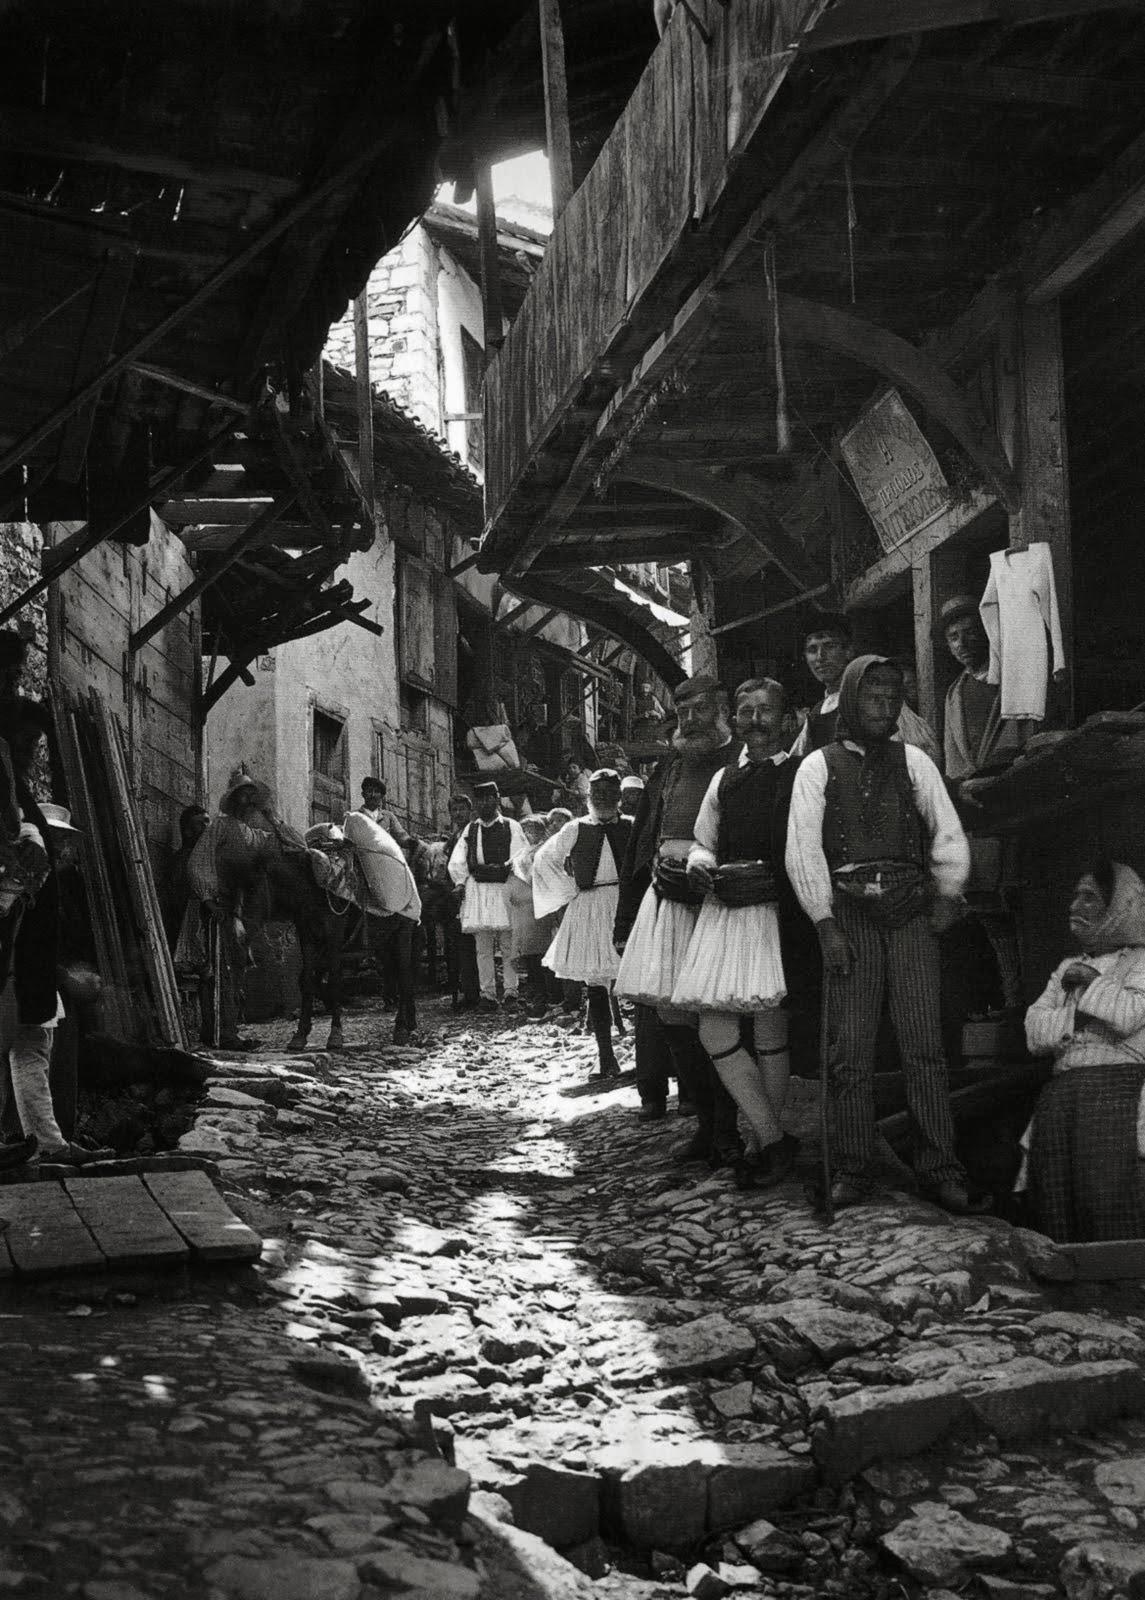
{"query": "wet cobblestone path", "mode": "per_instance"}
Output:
(491, 1313)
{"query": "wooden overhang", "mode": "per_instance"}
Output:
(797, 196)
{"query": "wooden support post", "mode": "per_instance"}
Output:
(1044, 513)
(703, 616)
(365, 397)
(542, 622)
(922, 587)
(490, 264)
(559, 134)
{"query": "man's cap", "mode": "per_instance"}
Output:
(632, 782)
(692, 688)
(605, 775)
(955, 608)
(239, 782)
(836, 622)
(369, 784)
(486, 788)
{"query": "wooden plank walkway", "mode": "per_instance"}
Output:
(203, 1217)
(85, 1224)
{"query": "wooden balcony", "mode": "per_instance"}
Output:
(641, 217)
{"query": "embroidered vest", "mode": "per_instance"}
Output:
(870, 812)
(495, 848)
(584, 857)
(754, 801)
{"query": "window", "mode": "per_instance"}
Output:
(329, 768)
(473, 362)
(414, 710)
(421, 786)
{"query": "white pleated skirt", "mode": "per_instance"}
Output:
(733, 962)
(655, 950)
(583, 950)
(485, 908)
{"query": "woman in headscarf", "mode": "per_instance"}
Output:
(1086, 1137)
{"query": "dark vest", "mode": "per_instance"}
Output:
(495, 848)
(754, 802)
(686, 785)
(584, 857)
(870, 812)
(822, 728)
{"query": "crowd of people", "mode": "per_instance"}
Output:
(756, 908)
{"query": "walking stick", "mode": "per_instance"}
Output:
(825, 1120)
(217, 981)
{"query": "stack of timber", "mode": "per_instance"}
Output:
(140, 997)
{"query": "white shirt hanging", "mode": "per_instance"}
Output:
(1019, 609)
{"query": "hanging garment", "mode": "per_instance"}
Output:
(1019, 607)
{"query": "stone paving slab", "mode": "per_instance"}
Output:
(46, 1233)
(202, 1217)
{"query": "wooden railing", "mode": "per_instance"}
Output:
(663, 168)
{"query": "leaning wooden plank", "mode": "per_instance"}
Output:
(45, 1231)
(128, 1226)
(1107, 1258)
(203, 1217)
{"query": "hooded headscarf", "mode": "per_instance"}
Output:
(853, 675)
(1123, 922)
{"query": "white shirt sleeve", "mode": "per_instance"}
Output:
(1047, 596)
(802, 739)
(1050, 1020)
(949, 848)
(706, 828)
(991, 621)
(459, 860)
(806, 864)
(553, 887)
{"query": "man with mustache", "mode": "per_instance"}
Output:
(657, 908)
(877, 856)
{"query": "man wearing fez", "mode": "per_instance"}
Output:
(878, 859)
(657, 907)
(481, 864)
(827, 648)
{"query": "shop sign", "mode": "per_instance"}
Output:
(896, 473)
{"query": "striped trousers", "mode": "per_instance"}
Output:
(902, 964)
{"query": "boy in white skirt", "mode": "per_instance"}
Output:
(480, 863)
(579, 868)
(734, 964)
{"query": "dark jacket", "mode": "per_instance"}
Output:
(32, 963)
(636, 868)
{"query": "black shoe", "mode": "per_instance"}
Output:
(652, 1111)
(686, 1108)
(750, 1171)
(779, 1159)
(954, 1197)
(724, 1157)
(696, 1149)
(848, 1192)
(15, 1155)
(238, 1043)
(486, 1006)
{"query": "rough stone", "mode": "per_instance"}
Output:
(869, 1425)
(560, 1506)
(417, 1575)
(1104, 1569)
(750, 1481)
(291, 1577)
(1122, 1482)
(661, 1503)
(705, 1584)
(937, 1544)
(830, 1331)
(522, 1567)
(709, 1344)
(441, 1491)
(769, 1549)
(1027, 1396)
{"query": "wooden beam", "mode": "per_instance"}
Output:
(192, 512)
(245, 541)
(1081, 235)
(104, 317)
(512, 614)
(772, 611)
(493, 314)
(962, 80)
(365, 394)
(879, 581)
(19, 332)
(558, 131)
(54, 138)
(734, 496)
(465, 564)
(175, 380)
(541, 623)
(705, 655)
(829, 328)
(611, 552)
(924, 616)
(602, 614)
(854, 21)
(175, 319)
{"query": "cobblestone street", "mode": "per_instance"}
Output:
(491, 1313)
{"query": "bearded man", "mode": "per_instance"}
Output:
(657, 907)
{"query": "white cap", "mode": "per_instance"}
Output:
(632, 782)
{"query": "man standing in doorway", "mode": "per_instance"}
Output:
(481, 864)
(878, 859)
(657, 907)
(827, 648)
